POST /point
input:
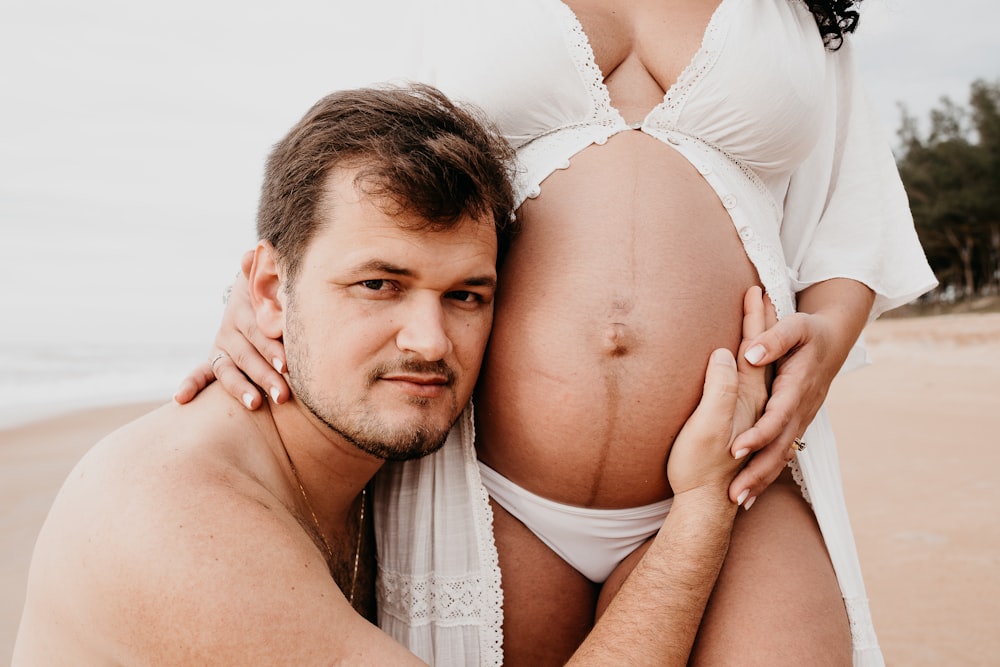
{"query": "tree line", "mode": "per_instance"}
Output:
(952, 177)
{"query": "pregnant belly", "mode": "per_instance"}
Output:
(626, 275)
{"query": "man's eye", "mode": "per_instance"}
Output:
(375, 285)
(464, 296)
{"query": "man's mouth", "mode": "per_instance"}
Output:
(419, 384)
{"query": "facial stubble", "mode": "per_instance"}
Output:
(361, 424)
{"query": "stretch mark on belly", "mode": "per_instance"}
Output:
(617, 341)
(612, 401)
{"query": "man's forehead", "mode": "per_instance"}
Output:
(360, 241)
(348, 185)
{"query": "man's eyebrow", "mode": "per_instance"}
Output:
(481, 281)
(381, 266)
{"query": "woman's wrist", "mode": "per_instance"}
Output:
(843, 305)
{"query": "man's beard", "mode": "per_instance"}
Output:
(360, 425)
(370, 434)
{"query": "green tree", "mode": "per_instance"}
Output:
(952, 178)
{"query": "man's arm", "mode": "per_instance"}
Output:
(655, 616)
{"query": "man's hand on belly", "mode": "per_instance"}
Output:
(731, 402)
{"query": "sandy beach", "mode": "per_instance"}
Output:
(918, 434)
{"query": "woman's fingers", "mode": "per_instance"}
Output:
(778, 340)
(762, 469)
(196, 380)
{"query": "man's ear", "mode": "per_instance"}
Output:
(266, 295)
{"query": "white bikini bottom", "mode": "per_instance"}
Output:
(593, 541)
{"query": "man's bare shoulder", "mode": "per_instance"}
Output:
(163, 542)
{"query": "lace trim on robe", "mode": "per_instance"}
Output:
(669, 109)
(472, 600)
(582, 54)
(551, 151)
(491, 641)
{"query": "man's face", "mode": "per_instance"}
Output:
(385, 328)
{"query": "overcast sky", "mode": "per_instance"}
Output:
(133, 136)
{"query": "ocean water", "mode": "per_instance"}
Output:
(42, 380)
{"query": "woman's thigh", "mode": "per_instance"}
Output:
(777, 600)
(548, 606)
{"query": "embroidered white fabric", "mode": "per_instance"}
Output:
(820, 474)
(438, 585)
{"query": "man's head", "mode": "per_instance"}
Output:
(379, 222)
(414, 152)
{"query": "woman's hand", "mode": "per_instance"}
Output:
(240, 348)
(809, 347)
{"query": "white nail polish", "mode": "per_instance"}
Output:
(741, 453)
(248, 400)
(274, 394)
(755, 354)
(743, 496)
(750, 503)
(278, 366)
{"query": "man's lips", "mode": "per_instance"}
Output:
(426, 386)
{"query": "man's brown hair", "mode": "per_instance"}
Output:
(415, 151)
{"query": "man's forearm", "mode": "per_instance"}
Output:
(655, 616)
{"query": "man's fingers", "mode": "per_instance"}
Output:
(778, 414)
(753, 380)
(753, 313)
(699, 456)
(718, 400)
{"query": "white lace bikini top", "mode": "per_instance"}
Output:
(776, 123)
(751, 96)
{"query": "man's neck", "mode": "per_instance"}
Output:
(332, 472)
(328, 478)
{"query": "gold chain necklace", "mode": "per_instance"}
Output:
(319, 531)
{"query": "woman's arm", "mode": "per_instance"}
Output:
(852, 253)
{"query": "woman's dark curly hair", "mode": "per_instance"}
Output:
(834, 18)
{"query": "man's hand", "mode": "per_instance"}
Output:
(732, 400)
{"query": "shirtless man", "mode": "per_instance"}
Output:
(208, 534)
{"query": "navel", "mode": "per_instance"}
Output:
(617, 339)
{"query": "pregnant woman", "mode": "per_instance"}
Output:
(670, 155)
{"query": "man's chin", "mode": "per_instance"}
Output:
(405, 440)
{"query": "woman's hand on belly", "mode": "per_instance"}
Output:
(809, 347)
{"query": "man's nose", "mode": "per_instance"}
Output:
(424, 333)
